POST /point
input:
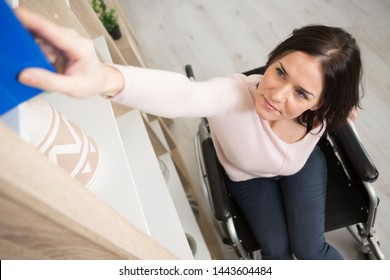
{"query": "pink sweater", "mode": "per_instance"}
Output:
(245, 144)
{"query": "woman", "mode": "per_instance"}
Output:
(265, 128)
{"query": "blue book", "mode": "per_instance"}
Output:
(18, 50)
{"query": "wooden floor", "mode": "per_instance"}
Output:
(223, 36)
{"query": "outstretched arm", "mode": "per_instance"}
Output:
(80, 74)
(79, 71)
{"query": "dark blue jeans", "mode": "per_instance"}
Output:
(287, 213)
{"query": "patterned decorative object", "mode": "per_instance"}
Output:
(62, 141)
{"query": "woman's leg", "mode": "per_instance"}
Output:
(304, 195)
(261, 203)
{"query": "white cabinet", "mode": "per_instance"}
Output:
(181, 202)
(168, 213)
(161, 217)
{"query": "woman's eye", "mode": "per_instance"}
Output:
(280, 72)
(301, 94)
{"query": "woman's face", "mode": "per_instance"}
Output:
(290, 86)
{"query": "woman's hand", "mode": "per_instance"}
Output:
(79, 71)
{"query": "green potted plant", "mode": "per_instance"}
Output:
(107, 17)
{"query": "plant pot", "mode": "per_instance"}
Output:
(115, 33)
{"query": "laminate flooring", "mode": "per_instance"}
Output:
(221, 37)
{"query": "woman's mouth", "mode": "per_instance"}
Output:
(269, 105)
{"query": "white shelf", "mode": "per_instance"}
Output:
(180, 200)
(115, 183)
(184, 210)
(160, 213)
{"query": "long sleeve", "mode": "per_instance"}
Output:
(172, 95)
(245, 144)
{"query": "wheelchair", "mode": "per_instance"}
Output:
(351, 201)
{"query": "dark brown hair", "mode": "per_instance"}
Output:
(339, 56)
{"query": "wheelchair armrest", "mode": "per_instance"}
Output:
(215, 174)
(356, 153)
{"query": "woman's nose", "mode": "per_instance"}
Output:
(281, 94)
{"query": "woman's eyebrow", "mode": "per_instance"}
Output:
(301, 88)
(282, 67)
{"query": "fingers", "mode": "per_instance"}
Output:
(50, 52)
(61, 38)
(48, 81)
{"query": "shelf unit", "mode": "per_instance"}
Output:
(132, 212)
